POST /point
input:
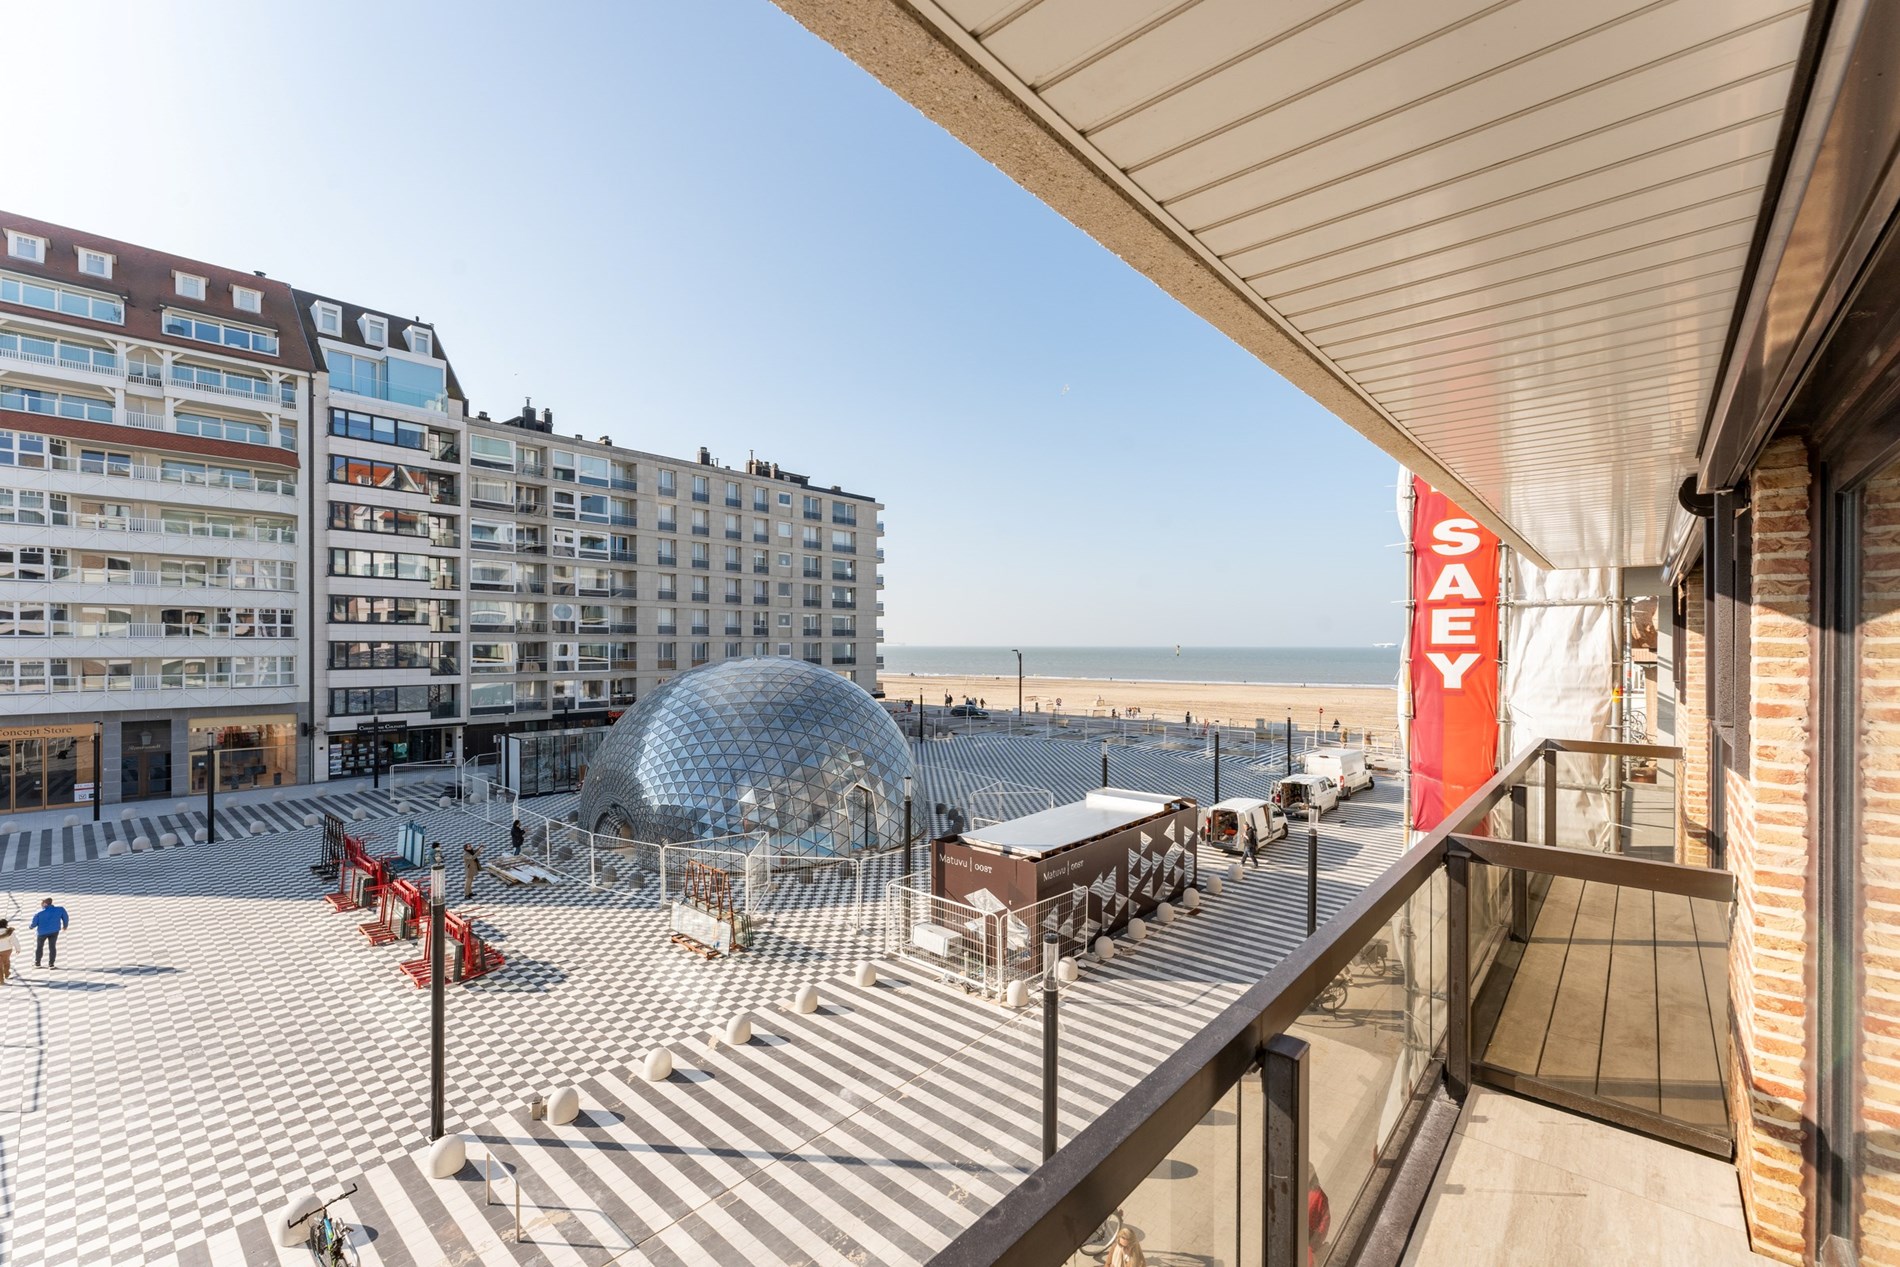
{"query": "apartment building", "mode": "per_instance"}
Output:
(151, 435)
(386, 511)
(596, 572)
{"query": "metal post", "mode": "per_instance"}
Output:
(1520, 880)
(211, 793)
(1104, 764)
(1019, 682)
(1289, 745)
(1217, 765)
(438, 993)
(1051, 954)
(98, 773)
(1285, 1083)
(907, 864)
(1550, 796)
(375, 752)
(1458, 975)
(1312, 869)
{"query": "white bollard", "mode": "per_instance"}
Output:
(1191, 899)
(169, 839)
(657, 1067)
(565, 1104)
(1137, 929)
(446, 1156)
(1104, 949)
(1214, 886)
(359, 814)
(1233, 873)
(200, 836)
(445, 802)
(806, 1000)
(1164, 914)
(738, 1031)
(141, 844)
(1067, 970)
(865, 975)
(1016, 994)
(312, 820)
(118, 848)
(125, 815)
(72, 820)
(181, 808)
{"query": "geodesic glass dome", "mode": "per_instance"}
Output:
(760, 744)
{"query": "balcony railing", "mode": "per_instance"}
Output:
(373, 389)
(1442, 943)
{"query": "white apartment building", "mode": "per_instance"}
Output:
(596, 572)
(151, 544)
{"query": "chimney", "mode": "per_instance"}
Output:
(257, 272)
(547, 419)
(606, 440)
(705, 456)
(527, 411)
(481, 415)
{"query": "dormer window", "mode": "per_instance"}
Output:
(188, 286)
(420, 341)
(375, 331)
(329, 319)
(94, 263)
(24, 246)
(244, 299)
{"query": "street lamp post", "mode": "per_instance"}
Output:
(1289, 744)
(211, 792)
(438, 992)
(1104, 763)
(1312, 869)
(1051, 954)
(1019, 682)
(375, 752)
(1217, 765)
(98, 772)
(907, 826)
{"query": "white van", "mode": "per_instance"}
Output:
(1344, 766)
(1297, 793)
(1222, 824)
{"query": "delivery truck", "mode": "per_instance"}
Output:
(1344, 766)
(1222, 824)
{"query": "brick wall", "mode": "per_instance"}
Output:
(1767, 821)
(1878, 751)
(1692, 733)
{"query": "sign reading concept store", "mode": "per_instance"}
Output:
(1099, 861)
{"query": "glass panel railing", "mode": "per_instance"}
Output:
(1188, 1209)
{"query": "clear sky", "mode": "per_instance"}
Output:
(691, 224)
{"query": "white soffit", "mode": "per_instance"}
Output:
(1519, 228)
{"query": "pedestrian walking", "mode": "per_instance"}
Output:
(471, 867)
(1250, 845)
(7, 942)
(517, 835)
(49, 921)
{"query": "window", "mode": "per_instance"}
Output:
(421, 342)
(63, 352)
(785, 499)
(32, 400)
(22, 449)
(437, 614)
(402, 479)
(222, 429)
(362, 426)
(362, 701)
(701, 488)
(491, 452)
(188, 286)
(244, 299)
(61, 299)
(375, 331)
(223, 333)
(94, 263)
(24, 246)
(668, 484)
(329, 319)
(223, 382)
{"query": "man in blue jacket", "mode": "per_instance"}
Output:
(47, 922)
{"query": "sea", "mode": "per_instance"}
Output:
(1276, 666)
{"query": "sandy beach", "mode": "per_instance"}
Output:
(1231, 703)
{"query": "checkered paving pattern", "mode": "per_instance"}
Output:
(154, 821)
(217, 1038)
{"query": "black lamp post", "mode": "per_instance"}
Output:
(1051, 954)
(438, 992)
(1289, 744)
(1217, 765)
(376, 752)
(907, 826)
(98, 772)
(1104, 763)
(211, 792)
(1019, 682)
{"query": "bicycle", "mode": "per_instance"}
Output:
(329, 1236)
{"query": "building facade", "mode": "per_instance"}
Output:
(152, 433)
(242, 516)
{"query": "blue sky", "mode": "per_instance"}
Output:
(697, 224)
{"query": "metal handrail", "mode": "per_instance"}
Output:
(1072, 1193)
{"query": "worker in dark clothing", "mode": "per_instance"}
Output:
(471, 867)
(517, 835)
(1249, 844)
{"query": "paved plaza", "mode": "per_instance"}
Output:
(216, 1038)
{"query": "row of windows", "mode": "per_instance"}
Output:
(223, 333)
(438, 615)
(391, 565)
(34, 400)
(36, 620)
(440, 658)
(63, 352)
(223, 429)
(38, 676)
(15, 289)
(364, 701)
(352, 517)
(390, 475)
(356, 425)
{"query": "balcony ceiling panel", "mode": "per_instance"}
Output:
(1512, 231)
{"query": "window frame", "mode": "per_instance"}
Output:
(179, 288)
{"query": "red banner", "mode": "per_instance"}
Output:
(1454, 733)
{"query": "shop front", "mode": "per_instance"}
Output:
(352, 752)
(43, 767)
(251, 752)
